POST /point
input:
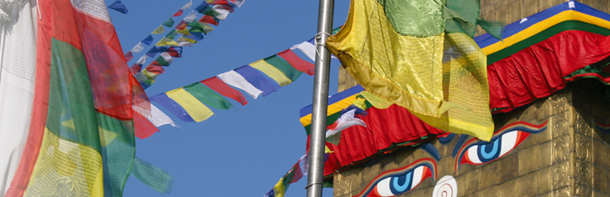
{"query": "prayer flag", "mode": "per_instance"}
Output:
(135, 68)
(258, 80)
(169, 22)
(128, 56)
(195, 27)
(179, 13)
(148, 40)
(209, 20)
(298, 63)
(222, 88)
(188, 5)
(158, 118)
(272, 72)
(119, 6)
(222, 12)
(457, 105)
(164, 59)
(236, 80)
(142, 60)
(190, 17)
(159, 30)
(142, 127)
(172, 106)
(282, 65)
(181, 25)
(208, 96)
(238, 3)
(195, 109)
(171, 34)
(203, 7)
(307, 48)
(184, 31)
(152, 176)
(138, 48)
(77, 126)
(167, 42)
(194, 36)
(172, 51)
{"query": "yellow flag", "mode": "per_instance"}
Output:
(415, 69)
(167, 42)
(159, 30)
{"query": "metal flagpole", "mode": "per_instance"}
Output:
(320, 100)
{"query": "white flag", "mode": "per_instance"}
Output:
(138, 48)
(188, 5)
(236, 80)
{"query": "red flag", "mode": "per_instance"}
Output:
(181, 26)
(297, 62)
(222, 88)
(155, 68)
(179, 13)
(135, 68)
(209, 19)
(128, 56)
(143, 128)
(172, 52)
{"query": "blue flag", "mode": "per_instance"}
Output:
(148, 40)
(258, 80)
(195, 36)
(119, 6)
(202, 7)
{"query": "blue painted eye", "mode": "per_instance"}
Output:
(504, 141)
(399, 181)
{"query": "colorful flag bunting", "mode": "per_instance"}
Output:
(148, 40)
(184, 31)
(258, 80)
(298, 63)
(164, 59)
(179, 13)
(159, 30)
(207, 96)
(183, 39)
(236, 80)
(225, 4)
(194, 36)
(166, 42)
(119, 6)
(209, 20)
(169, 22)
(222, 88)
(138, 48)
(188, 5)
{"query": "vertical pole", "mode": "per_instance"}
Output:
(320, 100)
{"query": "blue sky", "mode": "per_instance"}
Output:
(245, 150)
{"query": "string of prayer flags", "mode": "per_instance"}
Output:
(224, 4)
(169, 22)
(195, 110)
(167, 42)
(222, 12)
(175, 51)
(164, 59)
(181, 25)
(202, 7)
(119, 6)
(171, 34)
(271, 71)
(159, 30)
(292, 176)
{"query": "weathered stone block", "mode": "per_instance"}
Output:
(528, 185)
(499, 171)
(601, 154)
(545, 180)
(529, 160)
(601, 180)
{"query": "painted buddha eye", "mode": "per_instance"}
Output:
(504, 141)
(399, 181)
(394, 185)
(484, 152)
